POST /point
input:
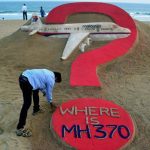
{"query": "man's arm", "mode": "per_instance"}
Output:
(49, 91)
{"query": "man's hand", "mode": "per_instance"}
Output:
(53, 106)
(44, 93)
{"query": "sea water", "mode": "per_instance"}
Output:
(12, 10)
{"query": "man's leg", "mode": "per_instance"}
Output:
(36, 106)
(26, 15)
(23, 16)
(27, 92)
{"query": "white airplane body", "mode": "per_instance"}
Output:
(78, 32)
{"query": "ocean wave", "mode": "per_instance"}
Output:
(10, 12)
(16, 15)
(141, 16)
(33, 11)
(3, 12)
(140, 13)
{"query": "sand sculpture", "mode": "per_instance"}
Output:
(82, 123)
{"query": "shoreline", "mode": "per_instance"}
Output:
(18, 15)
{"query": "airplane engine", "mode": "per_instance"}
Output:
(82, 46)
(88, 41)
(85, 44)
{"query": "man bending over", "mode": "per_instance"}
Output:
(31, 82)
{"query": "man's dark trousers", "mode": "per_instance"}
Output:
(27, 98)
(25, 15)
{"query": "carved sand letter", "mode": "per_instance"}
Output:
(114, 112)
(92, 111)
(85, 110)
(67, 110)
(104, 110)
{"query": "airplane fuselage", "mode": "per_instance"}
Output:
(92, 28)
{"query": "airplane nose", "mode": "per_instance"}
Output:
(126, 30)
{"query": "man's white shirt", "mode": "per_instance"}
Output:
(24, 8)
(41, 79)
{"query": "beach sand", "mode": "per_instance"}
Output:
(7, 27)
(126, 81)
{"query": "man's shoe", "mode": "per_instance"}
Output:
(37, 112)
(23, 132)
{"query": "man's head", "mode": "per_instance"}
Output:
(57, 76)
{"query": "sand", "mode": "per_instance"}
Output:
(7, 27)
(126, 81)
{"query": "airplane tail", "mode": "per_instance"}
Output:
(34, 26)
(36, 23)
(35, 20)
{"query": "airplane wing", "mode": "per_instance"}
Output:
(33, 32)
(74, 40)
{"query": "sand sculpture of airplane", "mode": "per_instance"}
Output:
(78, 34)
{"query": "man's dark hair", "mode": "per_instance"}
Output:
(57, 76)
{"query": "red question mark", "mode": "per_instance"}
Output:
(83, 73)
(85, 64)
